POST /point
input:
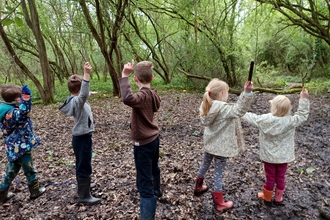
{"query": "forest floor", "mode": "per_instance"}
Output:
(307, 194)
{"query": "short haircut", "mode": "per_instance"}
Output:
(74, 83)
(280, 106)
(10, 92)
(143, 71)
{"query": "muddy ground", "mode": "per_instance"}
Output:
(307, 194)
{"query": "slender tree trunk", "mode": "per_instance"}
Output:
(101, 41)
(20, 64)
(32, 20)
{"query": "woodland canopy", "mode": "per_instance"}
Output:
(46, 41)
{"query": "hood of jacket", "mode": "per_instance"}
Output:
(66, 107)
(273, 125)
(155, 98)
(4, 108)
(213, 112)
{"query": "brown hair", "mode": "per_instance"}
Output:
(280, 106)
(143, 71)
(74, 83)
(10, 92)
(212, 92)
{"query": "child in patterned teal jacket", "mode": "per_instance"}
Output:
(19, 138)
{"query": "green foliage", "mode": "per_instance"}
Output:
(203, 38)
(310, 170)
(7, 22)
(50, 157)
(178, 83)
(300, 170)
(321, 85)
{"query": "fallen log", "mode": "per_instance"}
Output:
(294, 90)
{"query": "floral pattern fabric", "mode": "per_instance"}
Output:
(17, 130)
(222, 133)
(276, 134)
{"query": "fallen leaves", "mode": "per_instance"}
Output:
(181, 149)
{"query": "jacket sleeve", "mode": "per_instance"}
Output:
(252, 118)
(81, 99)
(273, 125)
(18, 116)
(302, 113)
(129, 98)
(239, 108)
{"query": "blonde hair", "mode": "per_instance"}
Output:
(280, 106)
(143, 71)
(74, 83)
(212, 92)
(10, 92)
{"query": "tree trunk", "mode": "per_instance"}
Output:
(32, 20)
(20, 64)
(101, 40)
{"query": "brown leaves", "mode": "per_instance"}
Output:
(181, 147)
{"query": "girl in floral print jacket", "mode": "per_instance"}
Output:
(276, 137)
(222, 137)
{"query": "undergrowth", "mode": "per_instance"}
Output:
(267, 79)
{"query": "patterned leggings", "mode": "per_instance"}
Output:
(219, 167)
(13, 168)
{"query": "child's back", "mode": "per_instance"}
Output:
(276, 137)
(77, 106)
(276, 133)
(144, 133)
(144, 103)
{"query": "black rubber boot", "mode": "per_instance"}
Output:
(5, 195)
(92, 185)
(148, 208)
(157, 190)
(84, 193)
(35, 190)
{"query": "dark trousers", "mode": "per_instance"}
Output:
(275, 173)
(82, 147)
(12, 169)
(146, 164)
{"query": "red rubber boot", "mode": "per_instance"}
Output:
(199, 187)
(219, 204)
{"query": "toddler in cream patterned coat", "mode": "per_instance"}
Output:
(276, 137)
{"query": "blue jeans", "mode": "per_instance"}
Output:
(146, 164)
(82, 147)
(12, 169)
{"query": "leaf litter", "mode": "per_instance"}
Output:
(306, 196)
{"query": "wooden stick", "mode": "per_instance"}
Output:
(82, 55)
(251, 71)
